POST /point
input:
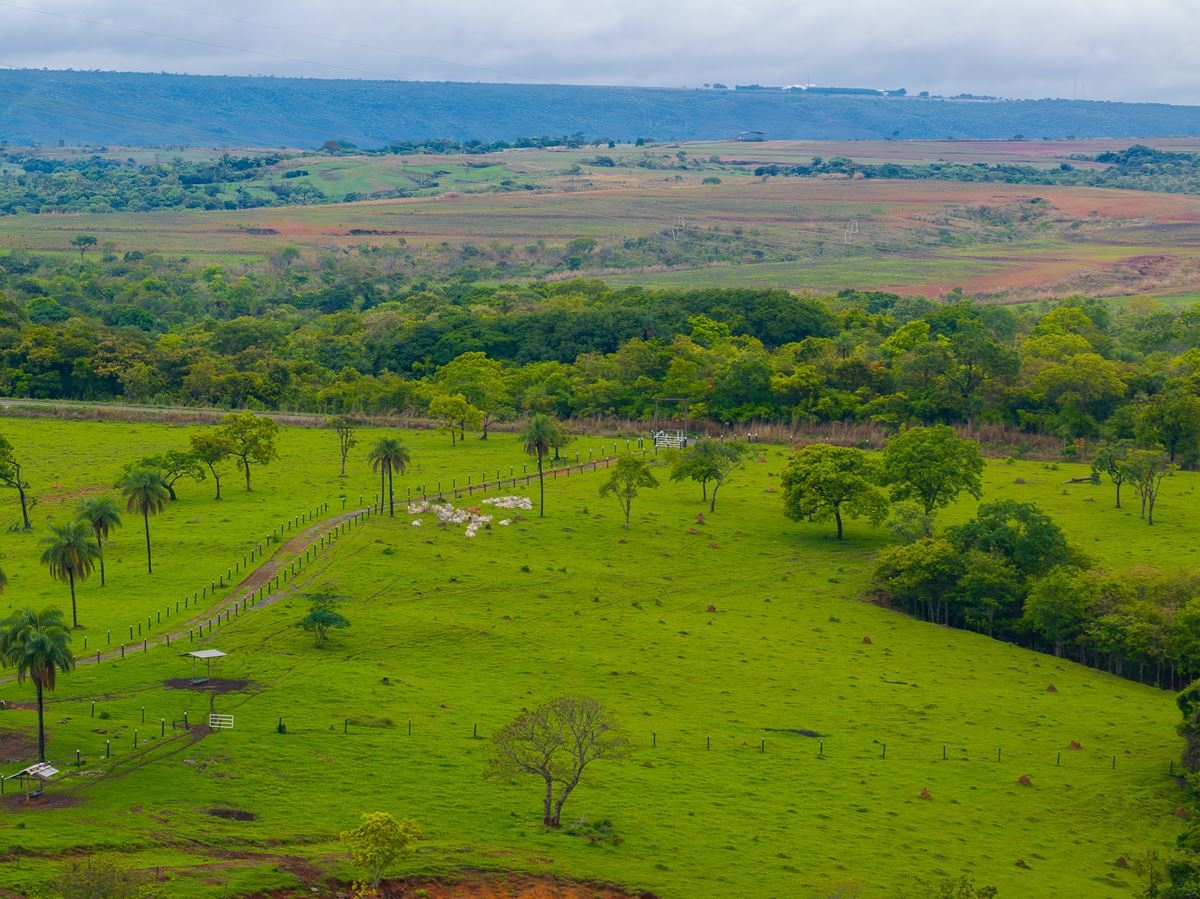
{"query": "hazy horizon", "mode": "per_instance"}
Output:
(1016, 50)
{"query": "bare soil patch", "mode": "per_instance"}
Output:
(232, 814)
(16, 747)
(212, 685)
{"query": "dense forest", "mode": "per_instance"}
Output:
(354, 333)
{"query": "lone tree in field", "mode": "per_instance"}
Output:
(388, 456)
(1145, 470)
(540, 435)
(378, 841)
(933, 466)
(624, 480)
(10, 476)
(35, 643)
(252, 437)
(83, 243)
(71, 555)
(345, 434)
(823, 482)
(100, 513)
(708, 461)
(1110, 459)
(555, 742)
(322, 616)
(145, 494)
(211, 448)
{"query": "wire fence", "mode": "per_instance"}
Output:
(144, 734)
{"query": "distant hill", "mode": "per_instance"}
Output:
(134, 109)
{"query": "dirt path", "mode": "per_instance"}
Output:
(240, 598)
(245, 595)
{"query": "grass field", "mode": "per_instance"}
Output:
(713, 644)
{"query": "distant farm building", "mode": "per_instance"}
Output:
(752, 136)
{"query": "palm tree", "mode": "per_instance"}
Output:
(36, 644)
(101, 513)
(71, 555)
(541, 434)
(389, 455)
(146, 493)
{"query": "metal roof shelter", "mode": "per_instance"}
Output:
(40, 772)
(208, 655)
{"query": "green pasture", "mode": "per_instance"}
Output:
(715, 639)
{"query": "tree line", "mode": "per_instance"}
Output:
(1137, 167)
(356, 336)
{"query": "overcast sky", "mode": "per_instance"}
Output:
(1018, 48)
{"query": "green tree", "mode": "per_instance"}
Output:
(83, 243)
(988, 587)
(1171, 420)
(625, 479)
(708, 460)
(322, 616)
(1019, 532)
(555, 742)
(482, 382)
(974, 359)
(378, 841)
(345, 434)
(10, 476)
(35, 643)
(920, 577)
(933, 466)
(1145, 470)
(1110, 459)
(540, 434)
(388, 456)
(252, 437)
(100, 513)
(211, 448)
(1059, 607)
(453, 413)
(172, 466)
(823, 482)
(145, 494)
(71, 556)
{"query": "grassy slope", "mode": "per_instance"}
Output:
(466, 637)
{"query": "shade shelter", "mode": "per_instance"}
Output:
(207, 655)
(33, 779)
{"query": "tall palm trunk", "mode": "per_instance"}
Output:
(37, 682)
(74, 613)
(100, 546)
(541, 488)
(149, 566)
(391, 494)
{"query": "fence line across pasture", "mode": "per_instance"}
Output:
(220, 613)
(142, 732)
